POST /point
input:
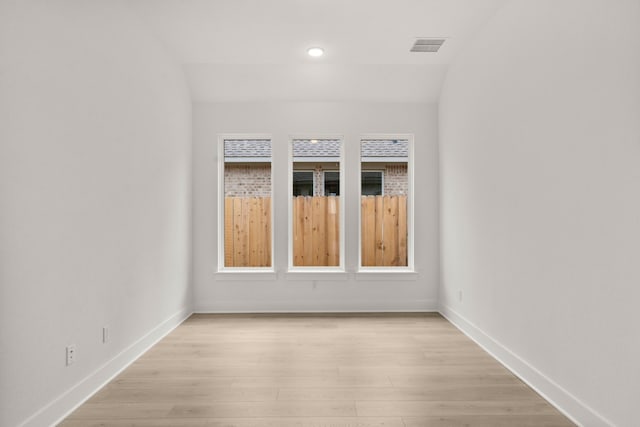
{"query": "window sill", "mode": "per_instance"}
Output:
(245, 274)
(387, 274)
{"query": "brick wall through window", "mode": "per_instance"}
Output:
(254, 180)
(247, 180)
(395, 180)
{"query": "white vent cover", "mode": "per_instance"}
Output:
(427, 45)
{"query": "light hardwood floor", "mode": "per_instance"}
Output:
(316, 371)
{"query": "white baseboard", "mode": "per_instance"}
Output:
(54, 412)
(564, 401)
(414, 306)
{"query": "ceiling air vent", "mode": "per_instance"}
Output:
(427, 45)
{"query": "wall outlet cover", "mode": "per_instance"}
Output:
(71, 354)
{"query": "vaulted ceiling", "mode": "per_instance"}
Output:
(255, 50)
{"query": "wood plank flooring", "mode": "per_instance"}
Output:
(413, 370)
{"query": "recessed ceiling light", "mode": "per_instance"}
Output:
(315, 51)
(314, 141)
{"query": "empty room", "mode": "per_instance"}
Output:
(319, 213)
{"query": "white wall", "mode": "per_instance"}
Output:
(94, 195)
(215, 293)
(540, 160)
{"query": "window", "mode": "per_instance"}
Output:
(245, 203)
(331, 183)
(385, 205)
(303, 183)
(316, 217)
(371, 183)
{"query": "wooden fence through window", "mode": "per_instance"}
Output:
(316, 231)
(384, 231)
(247, 231)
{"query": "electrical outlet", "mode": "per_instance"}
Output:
(71, 354)
(105, 334)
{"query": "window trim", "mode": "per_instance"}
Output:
(410, 268)
(221, 268)
(294, 271)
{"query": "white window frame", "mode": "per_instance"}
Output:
(410, 268)
(294, 271)
(372, 170)
(222, 270)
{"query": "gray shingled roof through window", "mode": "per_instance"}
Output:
(317, 148)
(385, 148)
(261, 148)
(247, 148)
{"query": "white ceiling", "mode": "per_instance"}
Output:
(255, 50)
